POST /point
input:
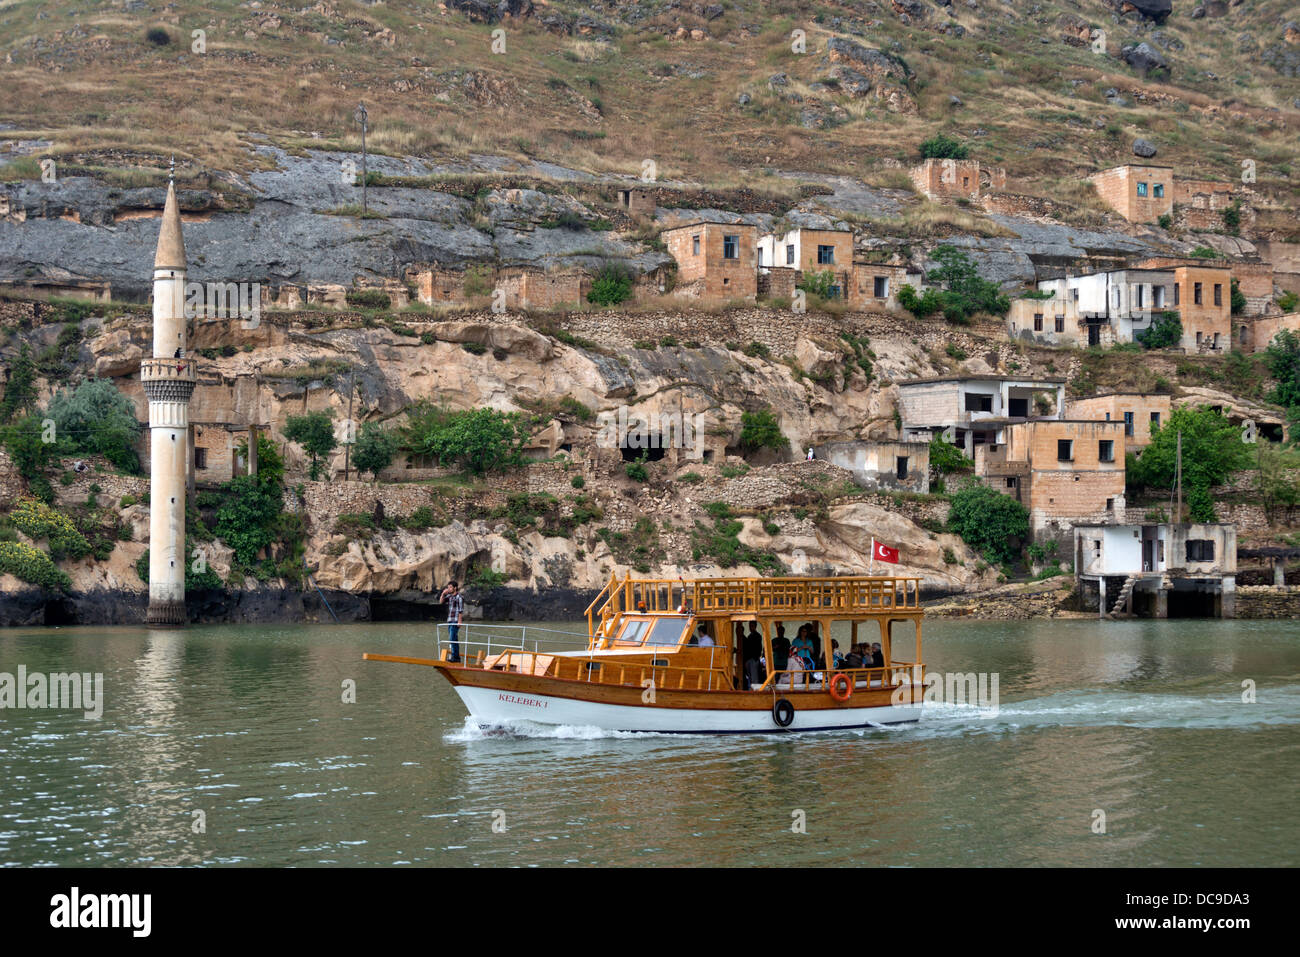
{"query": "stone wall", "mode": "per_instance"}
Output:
(1117, 188)
(1264, 601)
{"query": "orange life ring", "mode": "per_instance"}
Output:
(848, 686)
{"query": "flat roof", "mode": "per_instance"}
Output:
(978, 378)
(1136, 395)
(1132, 166)
(708, 222)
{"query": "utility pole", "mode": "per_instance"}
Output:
(1178, 479)
(361, 118)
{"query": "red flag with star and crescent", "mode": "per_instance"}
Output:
(883, 553)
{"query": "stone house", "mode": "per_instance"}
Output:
(876, 285)
(435, 284)
(1138, 411)
(1052, 322)
(1199, 204)
(953, 179)
(1255, 282)
(1061, 470)
(809, 250)
(898, 466)
(531, 288)
(1203, 300)
(638, 200)
(715, 261)
(1139, 193)
(976, 408)
(1159, 570)
(1255, 333)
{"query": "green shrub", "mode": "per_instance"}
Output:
(368, 299)
(32, 565)
(762, 429)
(963, 292)
(375, 448)
(1288, 301)
(612, 285)
(946, 458)
(474, 348)
(95, 418)
(37, 520)
(989, 522)
(313, 431)
(1165, 331)
(577, 481)
(941, 146)
(481, 440)
(636, 471)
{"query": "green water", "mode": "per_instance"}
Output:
(1143, 721)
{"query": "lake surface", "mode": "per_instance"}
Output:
(1143, 721)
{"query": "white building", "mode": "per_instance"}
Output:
(1124, 299)
(977, 408)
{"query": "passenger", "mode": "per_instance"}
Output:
(705, 641)
(877, 657)
(796, 671)
(740, 635)
(854, 658)
(780, 649)
(837, 659)
(818, 657)
(802, 648)
(753, 652)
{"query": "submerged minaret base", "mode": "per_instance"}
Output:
(168, 379)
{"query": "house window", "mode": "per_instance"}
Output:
(695, 245)
(1038, 322)
(1158, 190)
(1011, 481)
(1177, 295)
(1218, 294)
(1110, 505)
(826, 255)
(1196, 294)
(1243, 335)
(1198, 340)
(1065, 450)
(1128, 423)
(1096, 548)
(730, 247)
(1106, 451)
(882, 287)
(1157, 296)
(1200, 549)
(1140, 289)
(760, 255)
(200, 458)
(1060, 323)
(1142, 189)
(1075, 292)
(900, 467)
(1155, 418)
(978, 402)
(789, 254)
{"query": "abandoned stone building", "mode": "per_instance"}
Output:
(436, 285)
(953, 179)
(1255, 282)
(876, 285)
(1202, 297)
(1053, 322)
(715, 261)
(638, 200)
(1255, 333)
(1200, 204)
(1062, 470)
(1141, 194)
(1169, 570)
(1137, 411)
(525, 287)
(976, 408)
(897, 466)
(809, 250)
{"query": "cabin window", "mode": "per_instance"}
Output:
(1106, 450)
(635, 630)
(667, 630)
(730, 247)
(1200, 550)
(826, 255)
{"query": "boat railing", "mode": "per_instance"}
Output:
(611, 671)
(483, 640)
(891, 676)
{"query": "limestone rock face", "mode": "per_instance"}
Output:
(116, 355)
(847, 535)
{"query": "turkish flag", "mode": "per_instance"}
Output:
(883, 553)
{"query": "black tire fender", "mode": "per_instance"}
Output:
(782, 712)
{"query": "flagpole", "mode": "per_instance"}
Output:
(872, 567)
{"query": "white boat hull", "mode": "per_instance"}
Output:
(491, 706)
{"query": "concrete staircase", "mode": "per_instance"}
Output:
(1117, 609)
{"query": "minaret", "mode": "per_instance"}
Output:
(168, 380)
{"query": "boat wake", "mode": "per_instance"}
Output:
(475, 729)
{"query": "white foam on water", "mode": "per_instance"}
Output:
(476, 730)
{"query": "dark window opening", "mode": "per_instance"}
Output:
(1218, 294)
(1128, 423)
(730, 247)
(695, 245)
(978, 402)
(1038, 322)
(826, 255)
(1018, 408)
(1197, 296)
(1060, 323)
(1065, 450)
(900, 470)
(200, 458)
(881, 287)
(1200, 550)
(1106, 451)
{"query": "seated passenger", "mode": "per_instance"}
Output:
(802, 648)
(837, 659)
(877, 657)
(854, 658)
(703, 639)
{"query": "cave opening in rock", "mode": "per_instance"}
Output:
(402, 609)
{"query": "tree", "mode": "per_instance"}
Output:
(374, 449)
(946, 458)
(1238, 299)
(1283, 357)
(95, 418)
(315, 433)
(612, 285)
(941, 146)
(818, 282)
(1166, 330)
(247, 518)
(1279, 492)
(761, 429)
(270, 463)
(20, 388)
(482, 440)
(963, 294)
(991, 523)
(1212, 450)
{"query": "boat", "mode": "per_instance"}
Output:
(643, 666)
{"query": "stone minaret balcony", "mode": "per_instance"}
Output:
(168, 380)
